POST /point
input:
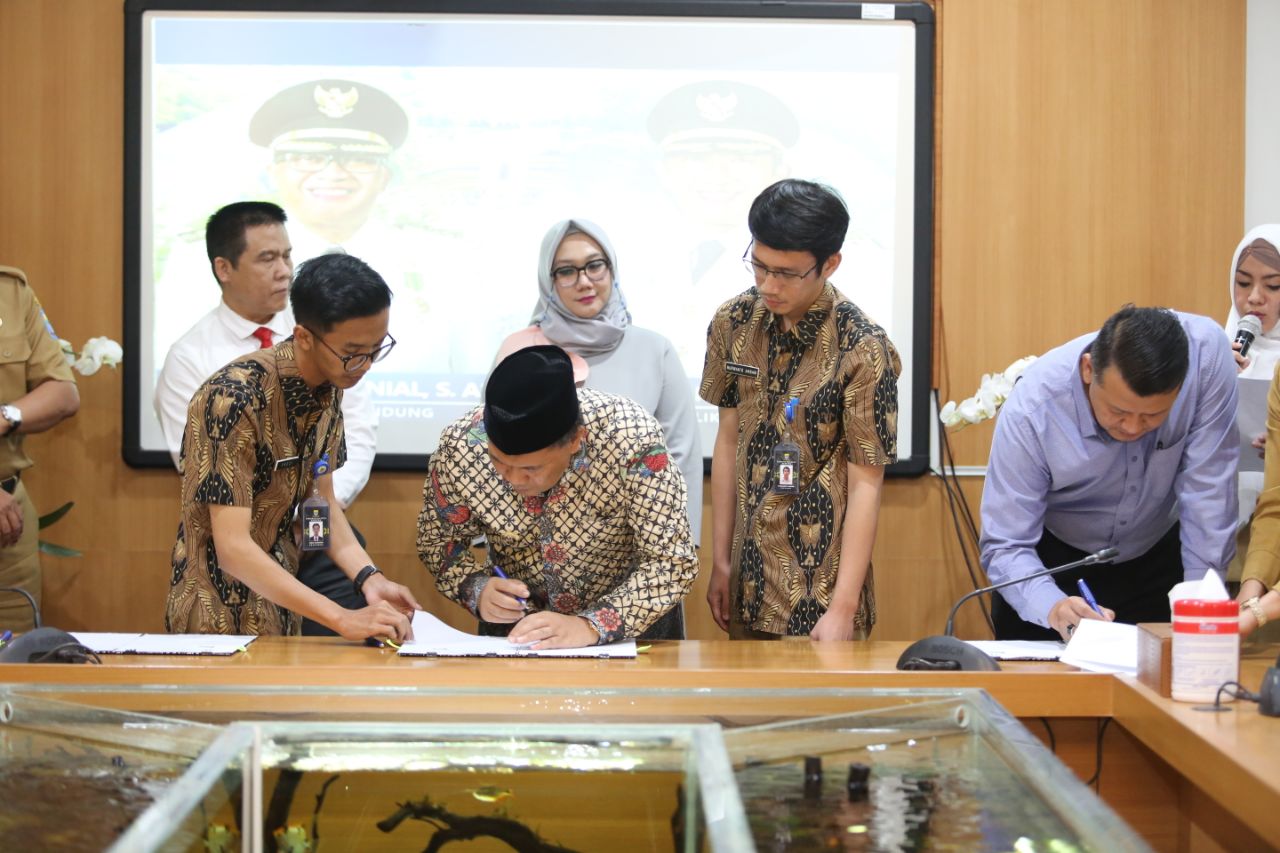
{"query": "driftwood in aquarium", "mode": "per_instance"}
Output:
(456, 827)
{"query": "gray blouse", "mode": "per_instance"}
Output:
(645, 368)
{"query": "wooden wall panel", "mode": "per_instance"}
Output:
(1089, 154)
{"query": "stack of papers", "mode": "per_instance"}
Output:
(1019, 649)
(1100, 646)
(435, 638)
(163, 644)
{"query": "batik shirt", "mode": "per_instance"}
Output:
(609, 542)
(254, 431)
(786, 547)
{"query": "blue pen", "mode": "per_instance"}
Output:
(1088, 596)
(5, 638)
(497, 570)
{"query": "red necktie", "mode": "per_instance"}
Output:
(263, 334)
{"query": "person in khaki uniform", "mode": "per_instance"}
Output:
(37, 391)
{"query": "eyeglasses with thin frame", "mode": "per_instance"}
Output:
(318, 161)
(357, 360)
(761, 272)
(567, 275)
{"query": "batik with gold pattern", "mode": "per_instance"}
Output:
(254, 431)
(609, 542)
(786, 547)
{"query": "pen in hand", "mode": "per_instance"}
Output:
(497, 570)
(1088, 596)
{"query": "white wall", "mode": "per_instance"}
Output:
(1262, 114)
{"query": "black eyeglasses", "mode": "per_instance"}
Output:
(567, 275)
(357, 360)
(761, 272)
(317, 161)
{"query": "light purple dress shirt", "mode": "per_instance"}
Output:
(1052, 467)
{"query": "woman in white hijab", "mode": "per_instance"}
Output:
(1255, 289)
(581, 309)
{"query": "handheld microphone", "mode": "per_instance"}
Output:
(1247, 329)
(947, 652)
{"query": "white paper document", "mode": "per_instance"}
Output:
(434, 638)
(1103, 647)
(1019, 649)
(1251, 418)
(163, 644)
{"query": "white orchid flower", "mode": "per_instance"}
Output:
(86, 365)
(970, 411)
(993, 391)
(1013, 371)
(949, 415)
(104, 351)
(96, 353)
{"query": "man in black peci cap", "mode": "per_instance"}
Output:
(573, 489)
(330, 142)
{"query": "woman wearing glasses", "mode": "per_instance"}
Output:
(581, 310)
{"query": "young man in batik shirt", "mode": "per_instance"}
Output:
(792, 545)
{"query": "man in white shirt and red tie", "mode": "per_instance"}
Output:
(252, 261)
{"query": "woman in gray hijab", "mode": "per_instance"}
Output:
(581, 309)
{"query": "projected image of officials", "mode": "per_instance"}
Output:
(330, 143)
(720, 142)
(437, 150)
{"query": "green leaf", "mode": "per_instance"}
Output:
(59, 550)
(56, 515)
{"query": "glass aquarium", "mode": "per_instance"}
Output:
(78, 778)
(477, 770)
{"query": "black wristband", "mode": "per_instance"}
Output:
(364, 574)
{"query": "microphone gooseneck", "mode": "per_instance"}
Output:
(948, 653)
(1096, 557)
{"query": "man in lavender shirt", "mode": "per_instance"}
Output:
(1123, 439)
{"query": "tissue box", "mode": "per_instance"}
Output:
(1155, 656)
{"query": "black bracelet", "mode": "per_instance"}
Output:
(364, 574)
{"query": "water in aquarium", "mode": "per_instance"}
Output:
(62, 795)
(530, 810)
(466, 796)
(935, 792)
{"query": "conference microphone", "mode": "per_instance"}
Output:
(1247, 329)
(948, 653)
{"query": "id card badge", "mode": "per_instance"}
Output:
(784, 462)
(315, 512)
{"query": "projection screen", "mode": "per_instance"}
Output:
(658, 121)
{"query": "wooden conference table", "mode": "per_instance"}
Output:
(1184, 779)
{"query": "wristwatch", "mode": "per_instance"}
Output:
(12, 414)
(363, 575)
(1254, 606)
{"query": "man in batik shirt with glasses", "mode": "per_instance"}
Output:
(250, 254)
(795, 489)
(256, 430)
